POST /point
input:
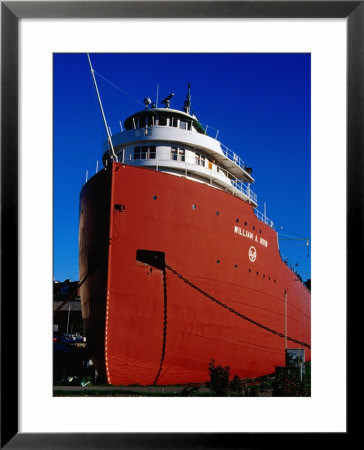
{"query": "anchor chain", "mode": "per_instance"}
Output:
(237, 313)
(164, 325)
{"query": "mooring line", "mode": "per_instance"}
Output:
(164, 325)
(237, 313)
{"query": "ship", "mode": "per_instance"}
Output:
(177, 265)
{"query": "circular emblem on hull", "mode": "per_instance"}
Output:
(252, 254)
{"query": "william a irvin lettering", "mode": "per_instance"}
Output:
(250, 235)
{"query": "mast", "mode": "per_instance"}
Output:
(102, 111)
(187, 104)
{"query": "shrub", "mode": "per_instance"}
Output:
(219, 379)
(236, 385)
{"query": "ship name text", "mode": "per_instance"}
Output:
(250, 235)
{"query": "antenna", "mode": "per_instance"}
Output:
(187, 104)
(102, 111)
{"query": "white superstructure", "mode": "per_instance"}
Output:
(174, 141)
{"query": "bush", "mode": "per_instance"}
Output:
(288, 383)
(219, 379)
(236, 385)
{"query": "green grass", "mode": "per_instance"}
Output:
(266, 388)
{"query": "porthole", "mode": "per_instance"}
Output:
(154, 197)
(194, 206)
(217, 213)
(257, 273)
(249, 270)
(274, 281)
(218, 261)
(236, 266)
(245, 223)
(237, 220)
(253, 227)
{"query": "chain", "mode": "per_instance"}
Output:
(233, 310)
(164, 325)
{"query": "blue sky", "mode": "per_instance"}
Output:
(260, 103)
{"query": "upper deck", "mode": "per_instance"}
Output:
(178, 129)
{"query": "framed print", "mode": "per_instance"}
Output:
(31, 32)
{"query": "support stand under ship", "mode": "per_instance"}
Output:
(177, 266)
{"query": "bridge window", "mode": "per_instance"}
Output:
(162, 121)
(128, 124)
(174, 122)
(142, 121)
(151, 121)
(184, 125)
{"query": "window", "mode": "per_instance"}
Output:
(199, 159)
(183, 124)
(128, 124)
(174, 122)
(144, 154)
(142, 121)
(152, 152)
(174, 153)
(162, 121)
(177, 154)
(136, 152)
(150, 121)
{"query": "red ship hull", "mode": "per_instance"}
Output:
(136, 320)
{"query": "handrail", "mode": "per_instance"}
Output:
(263, 218)
(233, 156)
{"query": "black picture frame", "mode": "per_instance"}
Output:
(11, 12)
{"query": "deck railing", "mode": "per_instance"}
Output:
(233, 156)
(187, 164)
(263, 218)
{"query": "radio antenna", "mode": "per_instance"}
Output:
(114, 157)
